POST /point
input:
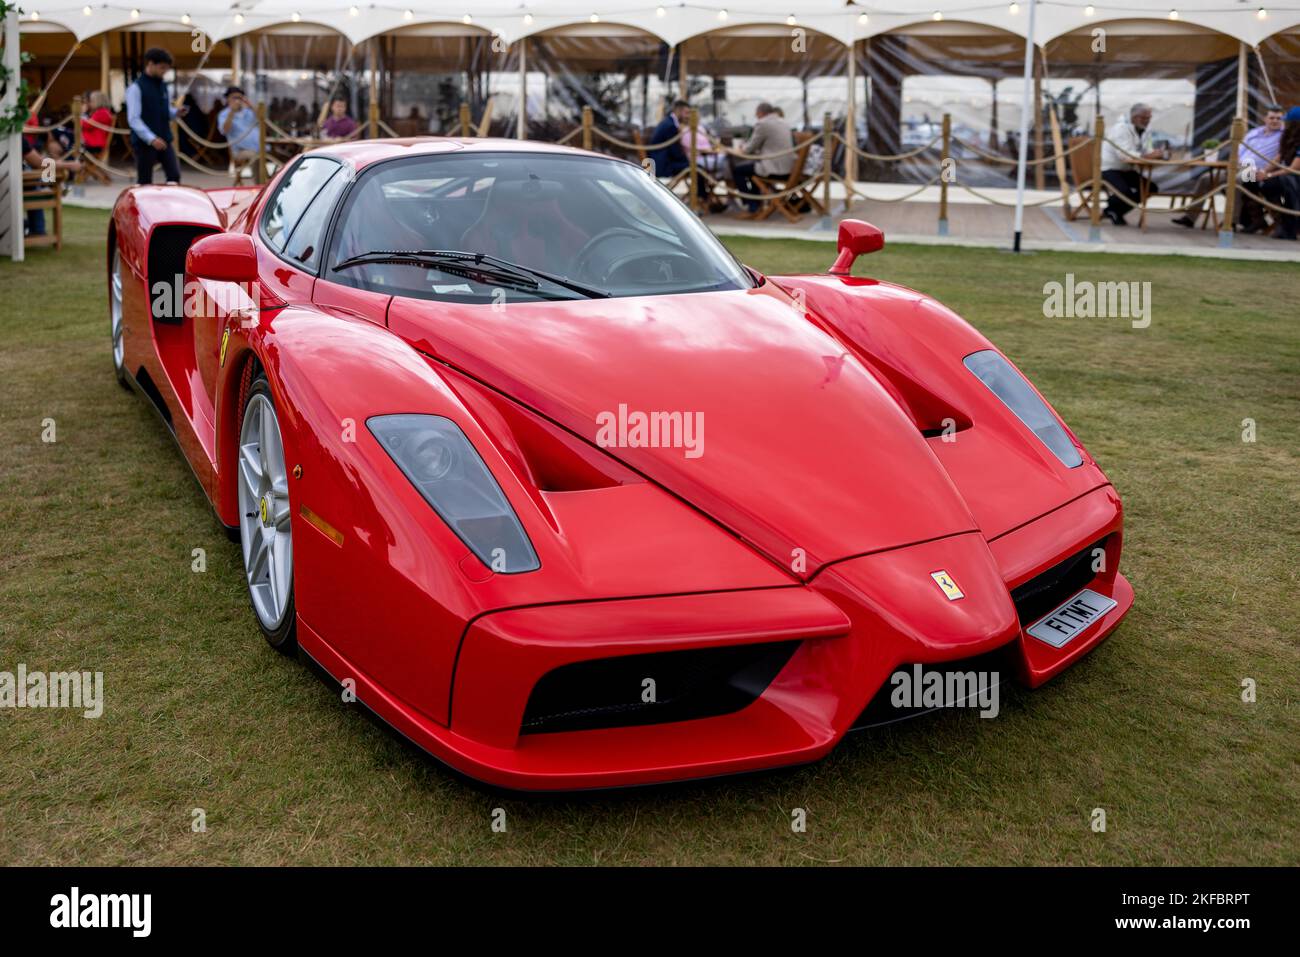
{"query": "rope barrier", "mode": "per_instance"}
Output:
(628, 145)
(1271, 162)
(1190, 161)
(887, 157)
(1007, 160)
(129, 174)
(201, 168)
(202, 141)
(853, 189)
(1001, 202)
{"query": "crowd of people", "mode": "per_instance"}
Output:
(150, 109)
(1268, 157)
(1268, 163)
(771, 143)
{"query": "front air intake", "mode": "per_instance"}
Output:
(613, 692)
(1044, 592)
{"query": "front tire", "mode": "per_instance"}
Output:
(115, 317)
(265, 533)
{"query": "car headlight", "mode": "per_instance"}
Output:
(441, 463)
(1010, 386)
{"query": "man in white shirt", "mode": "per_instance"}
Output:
(1128, 140)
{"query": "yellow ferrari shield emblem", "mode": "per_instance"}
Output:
(225, 340)
(947, 585)
(262, 509)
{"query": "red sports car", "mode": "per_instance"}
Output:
(575, 499)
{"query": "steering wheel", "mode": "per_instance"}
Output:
(636, 247)
(580, 261)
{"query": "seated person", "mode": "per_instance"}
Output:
(338, 125)
(1280, 183)
(772, 134)
(238, 124)
(1129, 140)
(675, 158)
(1255, 157)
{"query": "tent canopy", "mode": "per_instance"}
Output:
(670, 21)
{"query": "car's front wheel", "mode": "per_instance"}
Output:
(264, 527)
(115, 316)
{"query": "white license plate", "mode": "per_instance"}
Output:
(1071, 618)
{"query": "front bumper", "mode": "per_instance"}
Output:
(856, 622)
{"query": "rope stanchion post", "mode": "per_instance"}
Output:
(261, 143)
(694, 158)
(587, 140)
(466, 123)
(76, 138)
(1234, 166)
(828, 154)
(372, 120)
(1094, 213)
(945, 155)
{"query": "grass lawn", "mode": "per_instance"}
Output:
(95, 573)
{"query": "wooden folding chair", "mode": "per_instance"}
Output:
(38, 194)
(788, 206)
(1080, 175)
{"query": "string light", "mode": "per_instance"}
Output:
(1261, 14)
(467, 19)
(790, 20)
(1173, 14)
(1089, 10)
(938, 15)
(660, 11)
(408, 14)
(722, 14)
(595, 18)
(185, 19)
(864, 19)
(135, 14)
(85, 11)
(239, 17)
(1014, 9)
(296, 16)
(528, 19)
(35, 15)
(353, 11)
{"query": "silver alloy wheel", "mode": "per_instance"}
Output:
(264, 510)
(115, 309)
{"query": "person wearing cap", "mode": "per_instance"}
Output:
(238, 124)
(149, 114)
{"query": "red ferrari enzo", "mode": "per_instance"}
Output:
(509, 439)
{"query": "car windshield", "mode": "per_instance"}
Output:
(601, 227)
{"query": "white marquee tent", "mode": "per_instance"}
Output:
(1249, 22)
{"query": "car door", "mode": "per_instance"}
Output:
(288, 232)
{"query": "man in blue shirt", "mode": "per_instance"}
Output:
(238, 124)
(149, 114)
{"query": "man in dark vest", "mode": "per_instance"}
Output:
(149, 114)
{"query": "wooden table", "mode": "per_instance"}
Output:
(1146, 171)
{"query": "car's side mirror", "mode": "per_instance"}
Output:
(225, 257)
(857, 238)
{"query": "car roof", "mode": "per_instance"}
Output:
(361, 153)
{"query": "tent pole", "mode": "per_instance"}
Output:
(1025, 100)
(1241, 80)
(521, 128)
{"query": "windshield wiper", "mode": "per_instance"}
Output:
(477, 266)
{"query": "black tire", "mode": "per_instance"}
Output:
(116, 317)
(282, 635)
